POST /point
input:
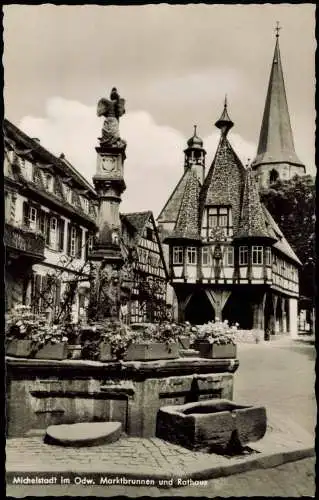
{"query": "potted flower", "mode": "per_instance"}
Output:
(96, 341)
(155, 341)
(51, 342)
(18, 326)
(216, 340)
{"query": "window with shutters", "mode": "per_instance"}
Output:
(53, 233)
(61, 234)
(73, 240)
(243, 256)
(33, 218)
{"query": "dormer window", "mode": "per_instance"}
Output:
(219, 217)
(48, 182)
(67, 193)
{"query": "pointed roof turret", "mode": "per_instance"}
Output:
(224, 123)
(276, 144)
(187, 223)
(225, 179)
(252, 222)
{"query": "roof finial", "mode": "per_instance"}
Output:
(277, 29)
(225, 102)
(195, 129)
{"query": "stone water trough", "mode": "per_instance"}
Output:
(215, 425)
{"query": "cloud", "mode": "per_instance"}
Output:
(154, 161)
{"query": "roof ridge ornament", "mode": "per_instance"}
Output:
(224, 123)
(277, 29)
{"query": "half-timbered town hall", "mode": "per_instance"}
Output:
(227, 257)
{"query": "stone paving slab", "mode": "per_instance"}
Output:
(153, 458)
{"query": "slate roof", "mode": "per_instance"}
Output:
(187, 223)
(224, 182)
(276, 144)
(18, 139)
(172, 206)
(252, 218)
(281, 244)
(138, 220)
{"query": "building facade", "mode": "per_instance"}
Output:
(276, 157)
(50, 212)
(227, 257)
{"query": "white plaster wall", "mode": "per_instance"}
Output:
(293, 317)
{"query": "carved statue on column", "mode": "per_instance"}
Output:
(112, 109)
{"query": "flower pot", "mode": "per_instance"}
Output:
(148, 352)
(105, 352)
(184, 342)
(53, 351)
(74, 351)
(207, 350)
(19, 348)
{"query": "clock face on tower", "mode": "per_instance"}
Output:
(108, 164)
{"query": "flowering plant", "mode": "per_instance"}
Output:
(217, 332)
(22, 324)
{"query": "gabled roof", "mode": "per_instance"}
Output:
(281, 244)
(138, 221)
(187, 223)
(276, 144)
(18, 139)
(172, 206)
(252, 218)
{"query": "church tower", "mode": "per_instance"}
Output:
(276, 157)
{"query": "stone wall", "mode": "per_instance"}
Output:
(42, 393)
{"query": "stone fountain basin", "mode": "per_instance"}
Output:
(216, 425)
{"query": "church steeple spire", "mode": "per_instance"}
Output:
(276, 150)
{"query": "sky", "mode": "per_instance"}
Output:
(173, 64)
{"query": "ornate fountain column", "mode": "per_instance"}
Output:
(106, 256)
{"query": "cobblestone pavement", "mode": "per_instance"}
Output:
(279, 375)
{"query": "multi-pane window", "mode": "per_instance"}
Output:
(243, 255)
(268, 256)
(177, 255)
(53, 233)
(205, 256)
(73, 242)
(33, 218)
(257, 253)
(229, 256)
(191, 255)
(219, 217)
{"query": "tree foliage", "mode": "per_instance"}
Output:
(292, 205)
